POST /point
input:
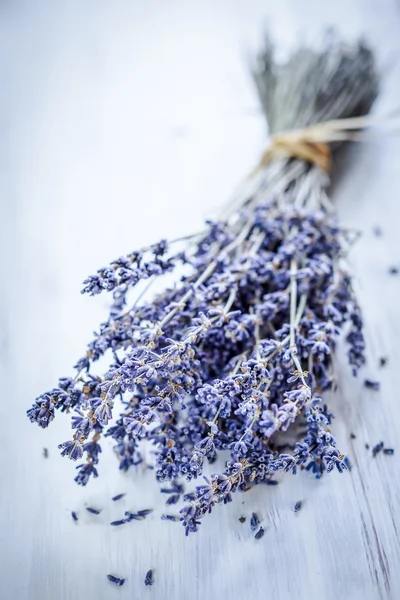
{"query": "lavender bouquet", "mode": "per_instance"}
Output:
(234, 358)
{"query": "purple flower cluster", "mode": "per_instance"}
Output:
(232, 360)
(236, 353)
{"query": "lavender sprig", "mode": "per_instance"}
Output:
(240, 349)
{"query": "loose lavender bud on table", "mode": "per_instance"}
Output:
(259, 534)
(239, 350)
(169, 517)
(254, 522)
(298, 506)
(388, 451)
(376, 449)
(117, 497)
(93, 511)
(149, 578)
(173, 499)
(139, 515)
(116, 580)
(119, 522)
(45, 453)
(74, 515)
(144, 512)
(372, 385)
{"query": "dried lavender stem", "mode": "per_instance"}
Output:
(293, 305)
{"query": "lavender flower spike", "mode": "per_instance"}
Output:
(72, 448)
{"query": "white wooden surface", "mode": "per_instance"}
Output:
(123, 122)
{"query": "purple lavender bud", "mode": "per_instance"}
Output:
(149, 580)
(297, 506)
(117, 497)
(73, 449)
(254, 521)
(388, 451)
(93, 511)
(144, 512)
(119, 522)
(372, 385)
(116, 580)
(173, 499)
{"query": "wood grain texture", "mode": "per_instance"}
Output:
(123, 122)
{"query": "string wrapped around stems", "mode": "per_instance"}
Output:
(235, 358)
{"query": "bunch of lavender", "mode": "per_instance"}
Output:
(238, 351)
